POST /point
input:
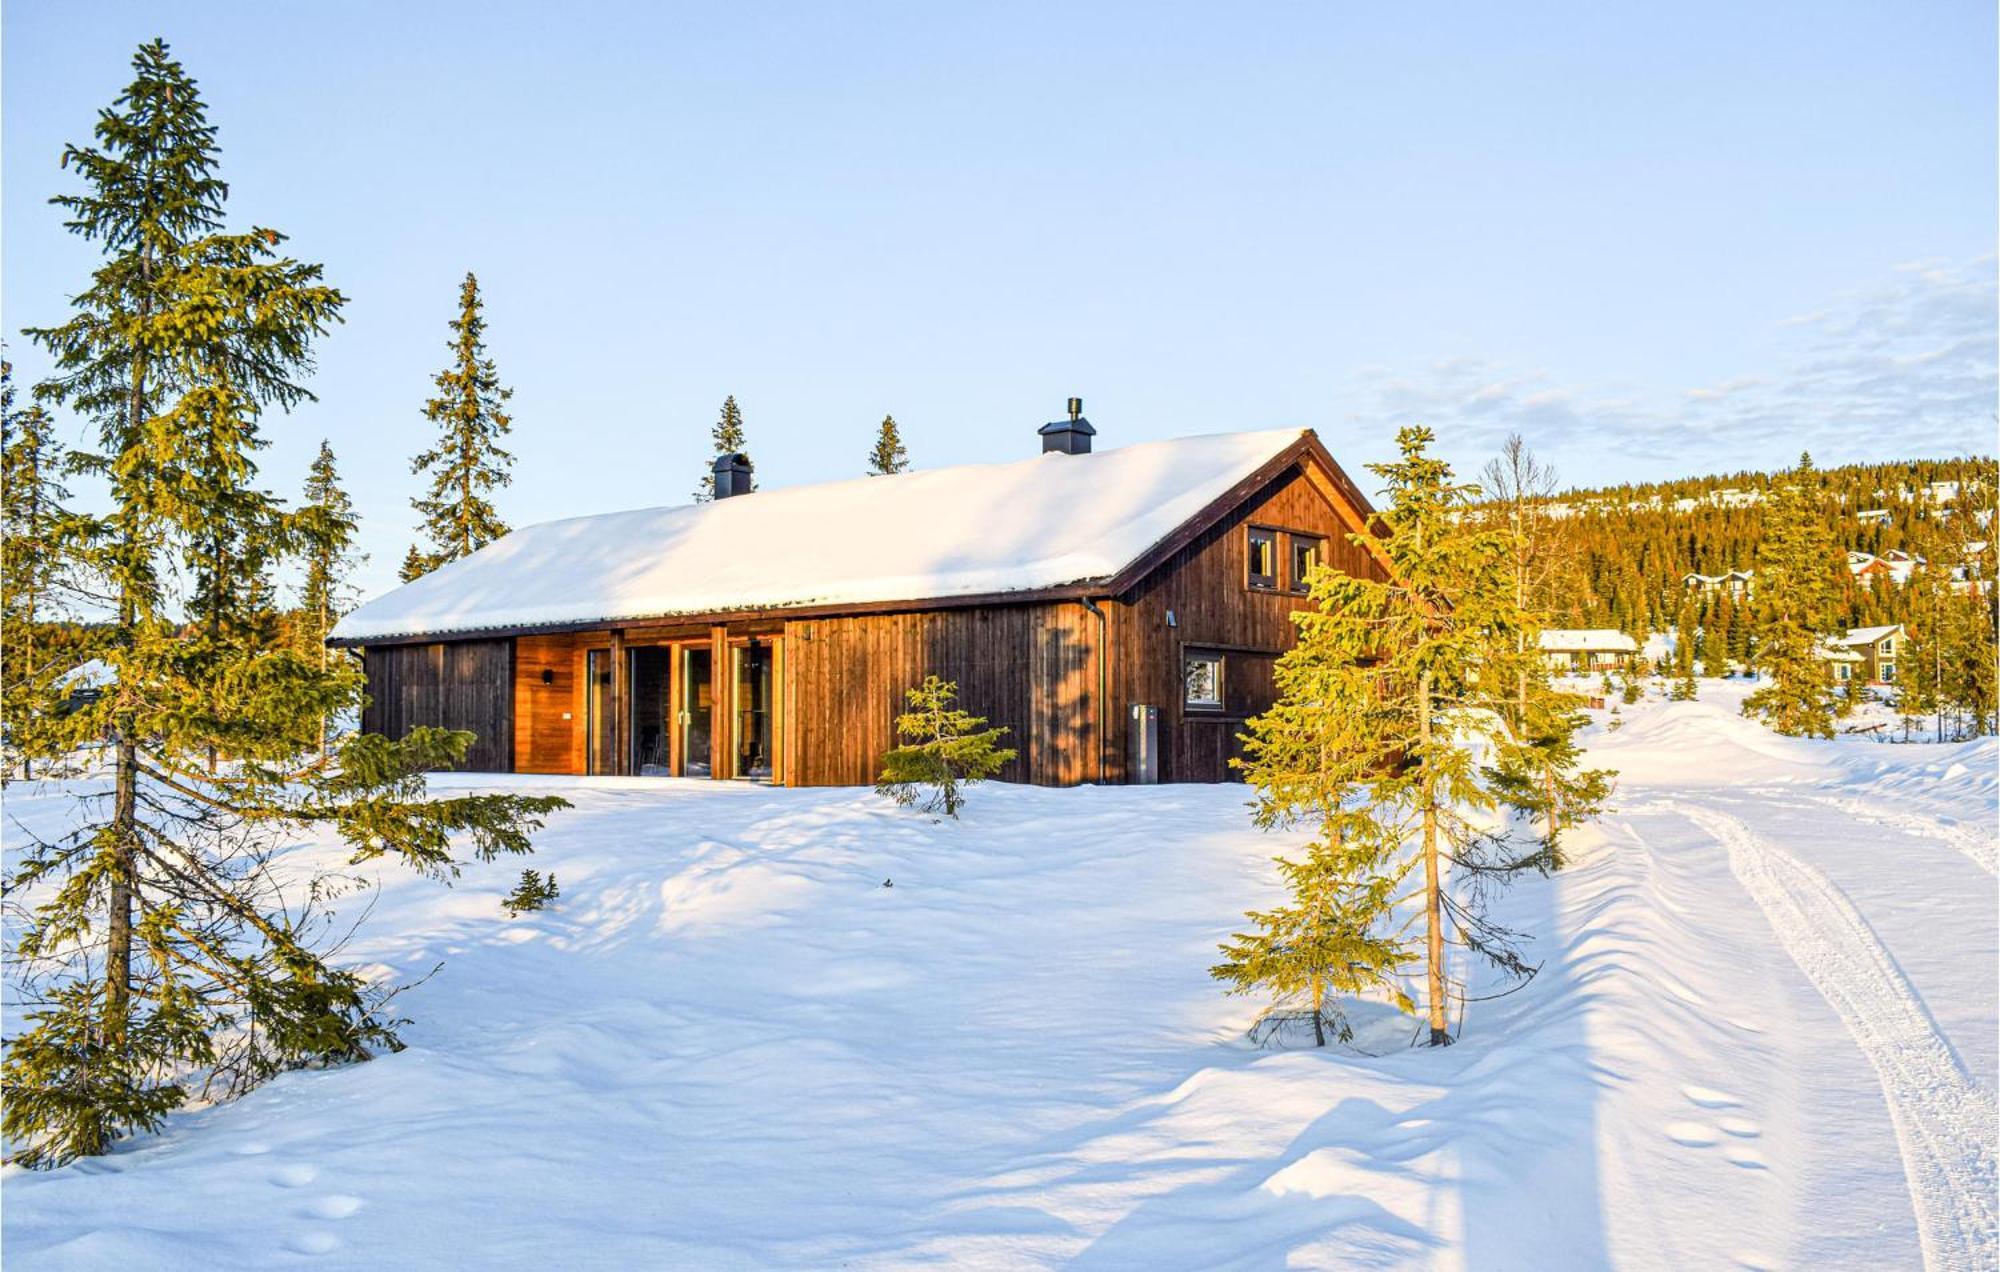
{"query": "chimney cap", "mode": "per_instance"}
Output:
(1068, 437)
(732, 474)
(1076, 425)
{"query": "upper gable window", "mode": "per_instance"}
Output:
(1263, 559)
(1306, 553)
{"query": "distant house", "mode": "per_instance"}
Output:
(1894, 565)
(1735, 582)
(1121, 612)
(1587, 649)
(1873, 516)
(1868, 653)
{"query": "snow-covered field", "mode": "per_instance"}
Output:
(1766, 1034)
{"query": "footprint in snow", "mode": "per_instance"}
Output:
(1740, 1127)
(312, 1243)
(333, 1206)
(1747, 1158)
(1709, 1097)
(1693, 1134)
(294, 1176)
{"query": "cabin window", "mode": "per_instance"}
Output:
(1263, 559)
(1888, 646)
(1201, 674)
(1888, 673)
(1305, 557)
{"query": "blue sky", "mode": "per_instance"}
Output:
(1656, 239)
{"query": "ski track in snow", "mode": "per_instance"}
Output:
(1981, 848)
(1944, 1119)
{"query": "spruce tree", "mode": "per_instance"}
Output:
(944, 750)
(1336, 936)
(156, 955)
(1423, 665)
(728, 438)
(324, 528)
(1715, 640)
(888, 457)
(467, 463)
(1684, 687)
(1542, 775)
(34, 585)
(1795, 575)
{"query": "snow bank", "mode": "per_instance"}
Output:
(774, 1028)
(969, 530)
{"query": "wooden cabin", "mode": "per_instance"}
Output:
(1119, 611)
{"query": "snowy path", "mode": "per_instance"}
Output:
(1944, 1118)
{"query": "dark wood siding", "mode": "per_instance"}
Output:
(1205, 587)
(1032, 668)
(460, 685)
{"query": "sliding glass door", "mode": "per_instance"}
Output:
(697, 710)
(652, 710)
(751, 667)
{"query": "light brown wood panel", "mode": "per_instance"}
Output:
(547, 725)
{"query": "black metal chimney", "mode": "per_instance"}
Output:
(732, 475)
(1071, 436)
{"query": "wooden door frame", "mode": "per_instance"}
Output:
(776, 642)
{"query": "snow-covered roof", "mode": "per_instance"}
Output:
(1595, 638)
(1869, 635)
(969, 530)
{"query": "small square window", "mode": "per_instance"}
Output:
(1888, 646)
(1305, 556)
(1202, 676)
(1263, 559)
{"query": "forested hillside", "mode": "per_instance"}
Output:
(1634, 544)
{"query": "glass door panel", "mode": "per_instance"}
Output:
(598, 723)
(751, 674)
(697, 708)
(651, 710)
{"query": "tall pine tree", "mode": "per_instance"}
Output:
(1419, 670)
(158, 955)
(727, 436)
(324, 527)
(467, 463)
(888, 457)
(1336, 936)
(33, 581)
(1796, 567)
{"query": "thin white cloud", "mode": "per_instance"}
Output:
(1905, 368)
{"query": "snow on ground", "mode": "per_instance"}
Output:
(1764, 1036)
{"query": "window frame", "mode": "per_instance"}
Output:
(1295, 582)
(1250, 576)
(1220, 660)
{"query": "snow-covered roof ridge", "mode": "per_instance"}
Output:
(1587, 638)
(963, 531)
(1869, 635)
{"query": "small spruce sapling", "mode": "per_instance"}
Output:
(944, 750)
(532, 893)
(1540, 776)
